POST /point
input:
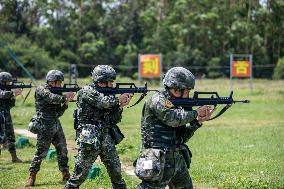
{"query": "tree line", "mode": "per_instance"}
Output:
(48, 34)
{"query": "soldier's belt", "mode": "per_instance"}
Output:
(168, 149)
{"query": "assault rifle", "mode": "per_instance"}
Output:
(66, 88)
(15, 85)
(214, 100)
(121, 88)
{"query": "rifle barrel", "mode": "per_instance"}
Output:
(9, 87)
(243, 101)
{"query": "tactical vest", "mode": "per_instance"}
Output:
(45, 109)
(86, 113)
(7, 104)
(158, 135)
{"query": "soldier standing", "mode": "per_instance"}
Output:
(7, 101)
(49, 107)
(97, 116)
(165, 158)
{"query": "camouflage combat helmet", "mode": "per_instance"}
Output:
(179, 78)
(54, 75)
(103, 73)
(5, 77)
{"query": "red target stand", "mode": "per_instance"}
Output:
(241, 67)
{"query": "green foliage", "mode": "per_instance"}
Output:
(279, 70)
(68, 56)
(214, 62)
(242, 149)
(245, 183)
(35, 59)
(91, 51)
(187, 32)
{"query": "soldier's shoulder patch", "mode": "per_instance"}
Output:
(169, 104)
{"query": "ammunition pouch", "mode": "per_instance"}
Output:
(2, 128)
(116, 134)
(150, 165)
(35, 125)
(75, 119)
(186, 153)
(90, 135)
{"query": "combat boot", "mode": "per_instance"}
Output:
(31, 180)
(15, 158)
(65, 176)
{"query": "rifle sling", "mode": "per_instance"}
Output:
(27, 95)
(139, 100)
(225, 108)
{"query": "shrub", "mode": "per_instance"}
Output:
(279, 69)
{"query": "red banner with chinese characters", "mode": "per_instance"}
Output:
(150, 65)
(241, 68)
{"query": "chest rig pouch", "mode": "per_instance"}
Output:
(35, 124)
(187, 155)
(2, 127)
(75, 119)
(150, 165)
(90, 135)
(116, 134)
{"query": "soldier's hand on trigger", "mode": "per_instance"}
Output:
(17, 92)
(129, 98)
(124, 99)
(204, 113)
(69, 96)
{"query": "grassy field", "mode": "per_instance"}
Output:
(244, 148)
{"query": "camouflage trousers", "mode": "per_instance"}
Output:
(87, 154)
(7, 135)
(175, 175)
(50, 132)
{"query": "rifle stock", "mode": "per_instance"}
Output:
(126, 88)
(66, 88)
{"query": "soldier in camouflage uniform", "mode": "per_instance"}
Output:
(7, 101)
(49, 107)
(97, 116)
(165, 158)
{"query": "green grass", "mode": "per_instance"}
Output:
(244, 148)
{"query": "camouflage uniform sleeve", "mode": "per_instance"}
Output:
(62, 109)
(190, 129)
(99, 100)
(117, 114)
(113, 115)
(6, 94)
(50, 97)
(164, 110)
